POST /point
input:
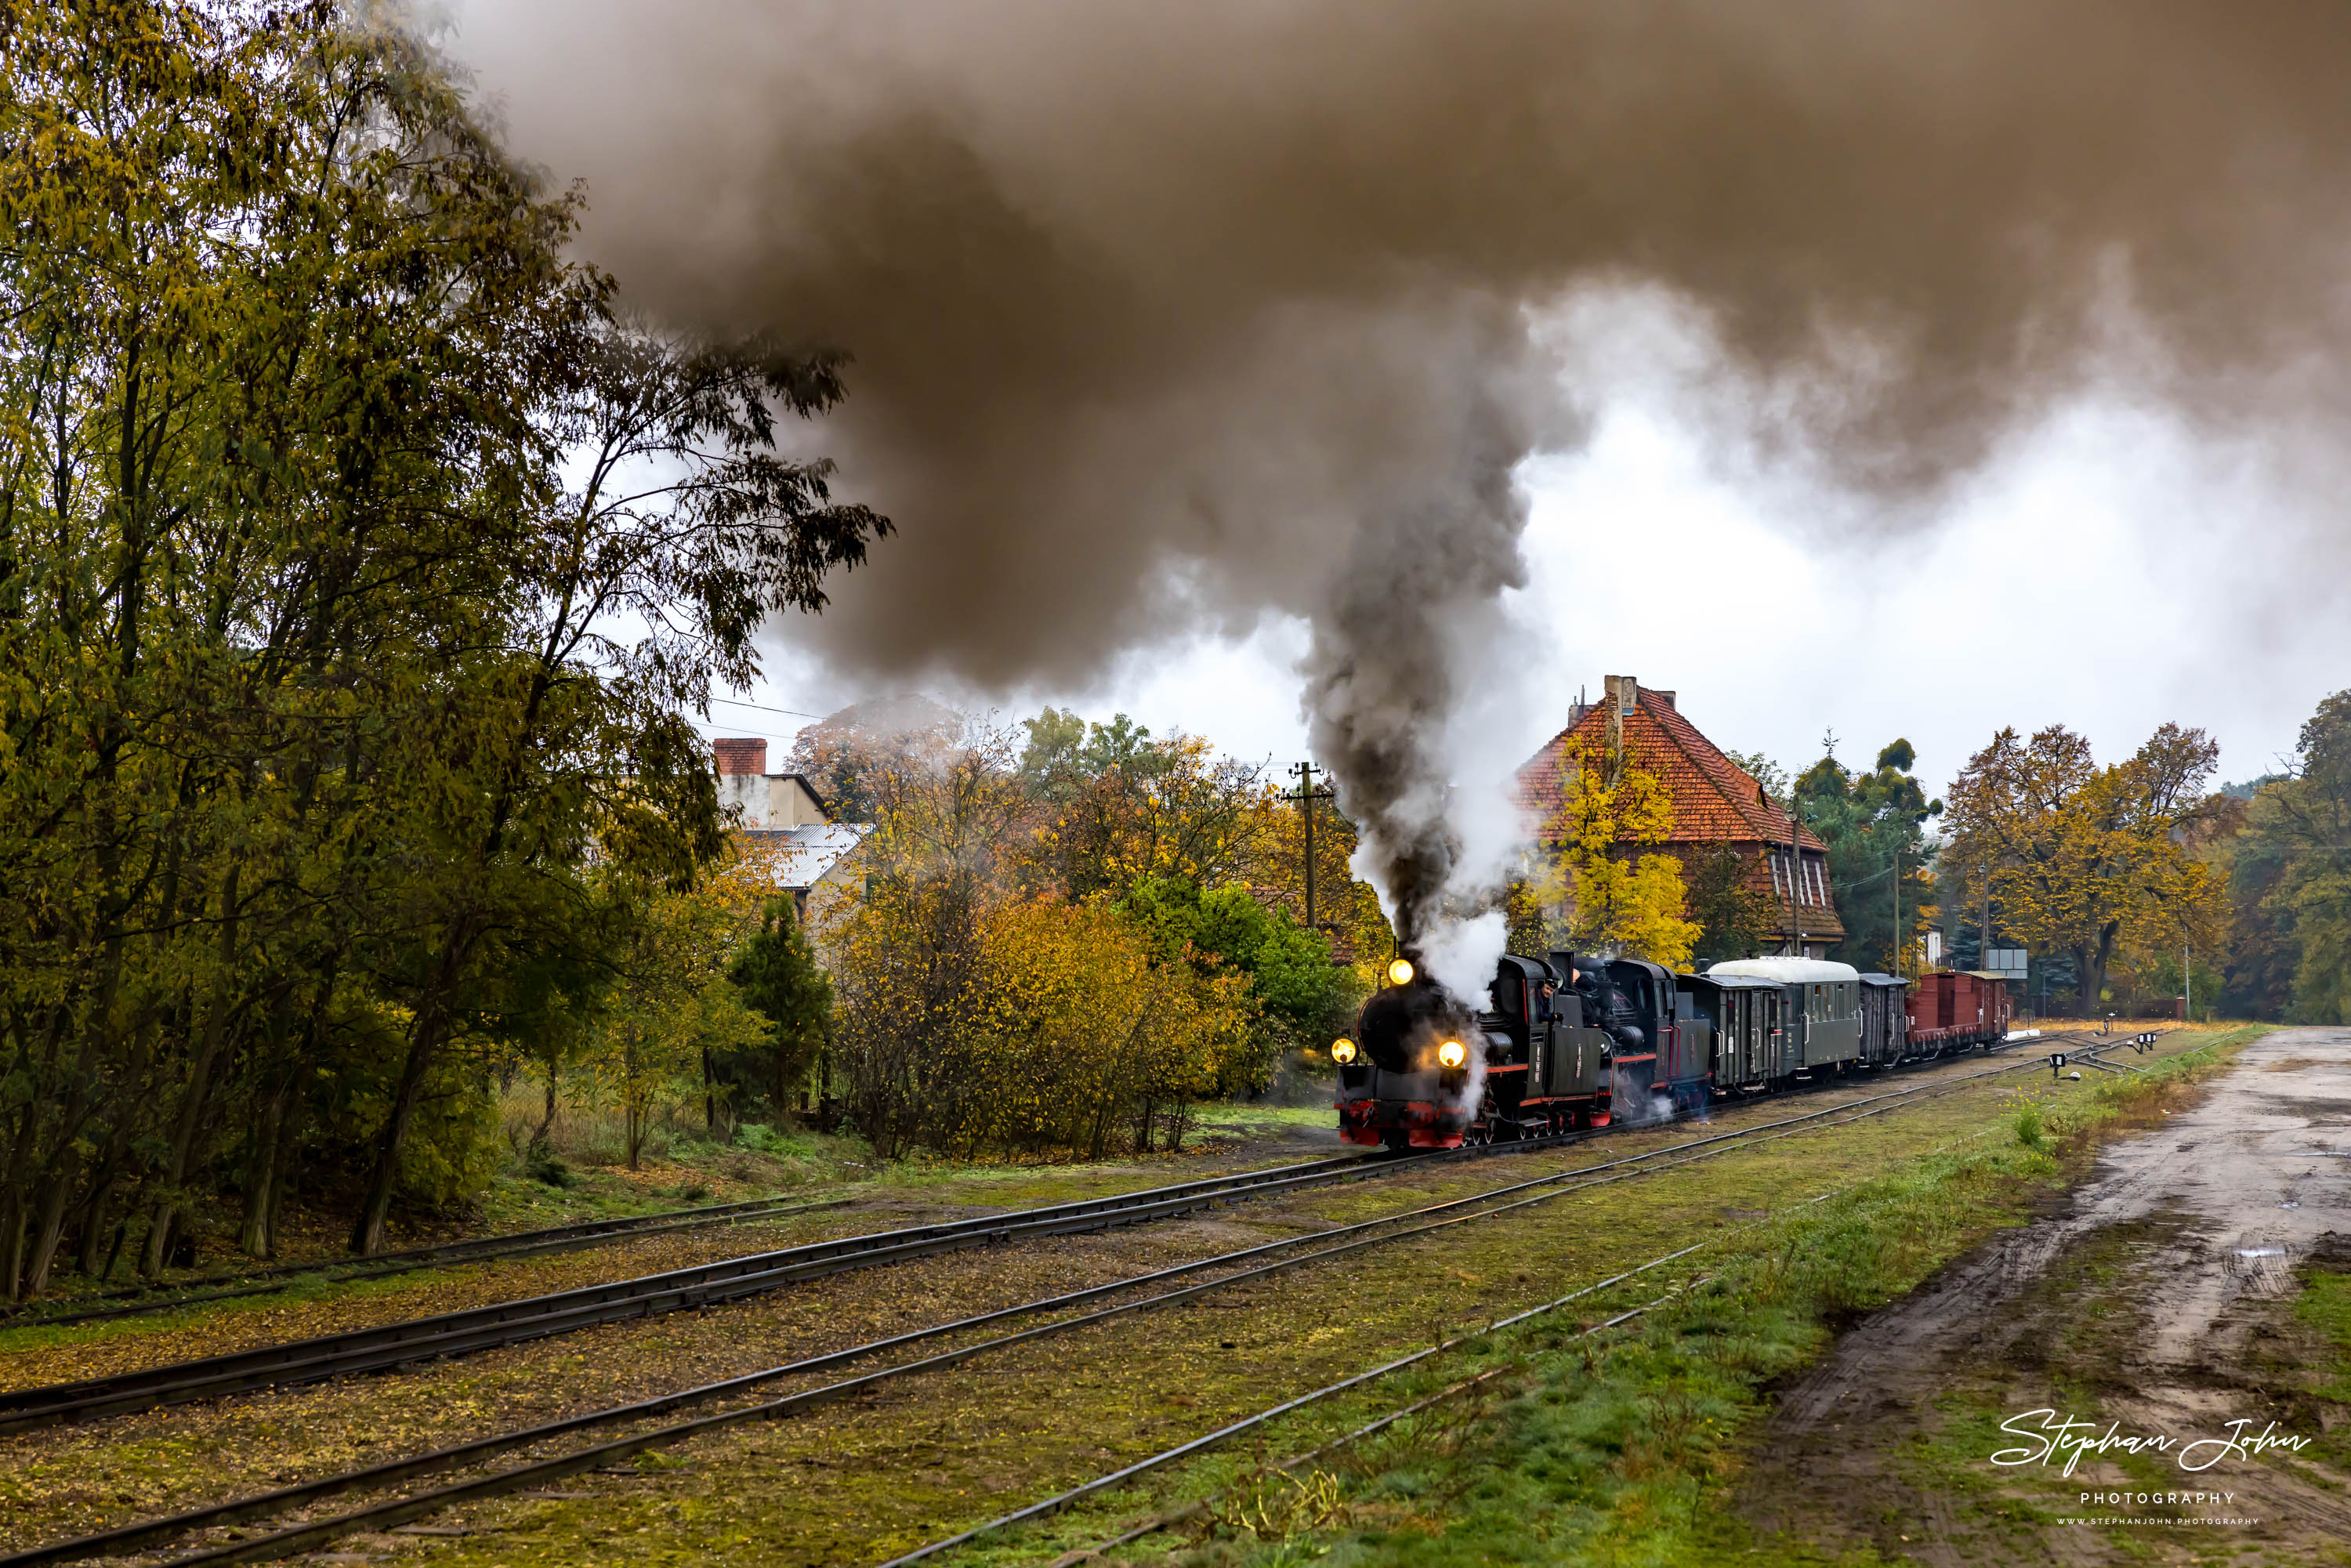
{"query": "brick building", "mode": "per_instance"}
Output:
(1716, 803)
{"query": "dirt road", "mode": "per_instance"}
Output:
(2172, 1295)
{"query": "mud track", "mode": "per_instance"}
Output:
(2157, 1296)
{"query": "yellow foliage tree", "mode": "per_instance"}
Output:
(2081, 859)
(1082, 1038)
(1605, 892)
(975, 1016)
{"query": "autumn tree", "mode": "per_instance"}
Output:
(2080, 857)
(1605, 892)
(672, 1009)
(952, 830)
(1733, 919)
(2258, 959)
(329, 482)
(1229, 930)
(2297, 845)
(1873, 825)
(985, 1003)
(1121, 805)
(842, 753)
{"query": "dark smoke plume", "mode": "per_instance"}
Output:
(1167, 314)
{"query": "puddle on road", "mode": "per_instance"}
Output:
(2262, 1268)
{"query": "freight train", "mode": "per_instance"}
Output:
(1570, 1039)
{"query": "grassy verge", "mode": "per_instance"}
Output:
(2323, 1309)
(857, 1481)
(1624, 1447)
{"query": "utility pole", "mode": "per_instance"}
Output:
(2187, 984)
(1306, 795)
(1900, 953)
(1795, 869)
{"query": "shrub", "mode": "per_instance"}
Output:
(540, 1163)
(760, 1138)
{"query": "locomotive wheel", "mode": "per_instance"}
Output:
(1395, 1140)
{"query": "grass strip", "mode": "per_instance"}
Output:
(1630, 1454)
(127, 1537)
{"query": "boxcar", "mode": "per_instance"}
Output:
(1952, 1010)
(1821, 1028)
(1885, 1032)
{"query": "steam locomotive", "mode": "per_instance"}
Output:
(1569, 1040)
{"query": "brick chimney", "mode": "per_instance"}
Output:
(1623, 694)
(740, 757)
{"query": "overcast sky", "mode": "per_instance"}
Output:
(2109, 568)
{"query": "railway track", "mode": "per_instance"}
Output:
(698, 1285)
(385, 1265)
(1241, 1266)
(362, 1351)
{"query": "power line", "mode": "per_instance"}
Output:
(762, 707)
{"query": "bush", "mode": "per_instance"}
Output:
(760, 1138)
(2030, 1131)
(540, 1163)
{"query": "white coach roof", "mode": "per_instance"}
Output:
(1788, 971)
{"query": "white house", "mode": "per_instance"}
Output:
(786, 819)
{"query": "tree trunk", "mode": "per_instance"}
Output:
(633, 1120)
(367, 1231)
(114, 1250)
(49, 1225)
(281, 1174)
(2092, 973)
(12, 1217)
(93, 1229)
(540, 1139)
(200, 1080)
(709, 1095)
(261, 1178)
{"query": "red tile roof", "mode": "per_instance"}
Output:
(1716, 801)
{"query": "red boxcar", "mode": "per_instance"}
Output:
(1950, 1009)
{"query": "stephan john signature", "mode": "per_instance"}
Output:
(2049, 1435)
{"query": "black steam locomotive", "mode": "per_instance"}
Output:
(1571, 1039)
(1423, 1073)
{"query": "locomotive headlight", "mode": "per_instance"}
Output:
(1452, 1053)
(1342, 1051)
(1400, 972)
